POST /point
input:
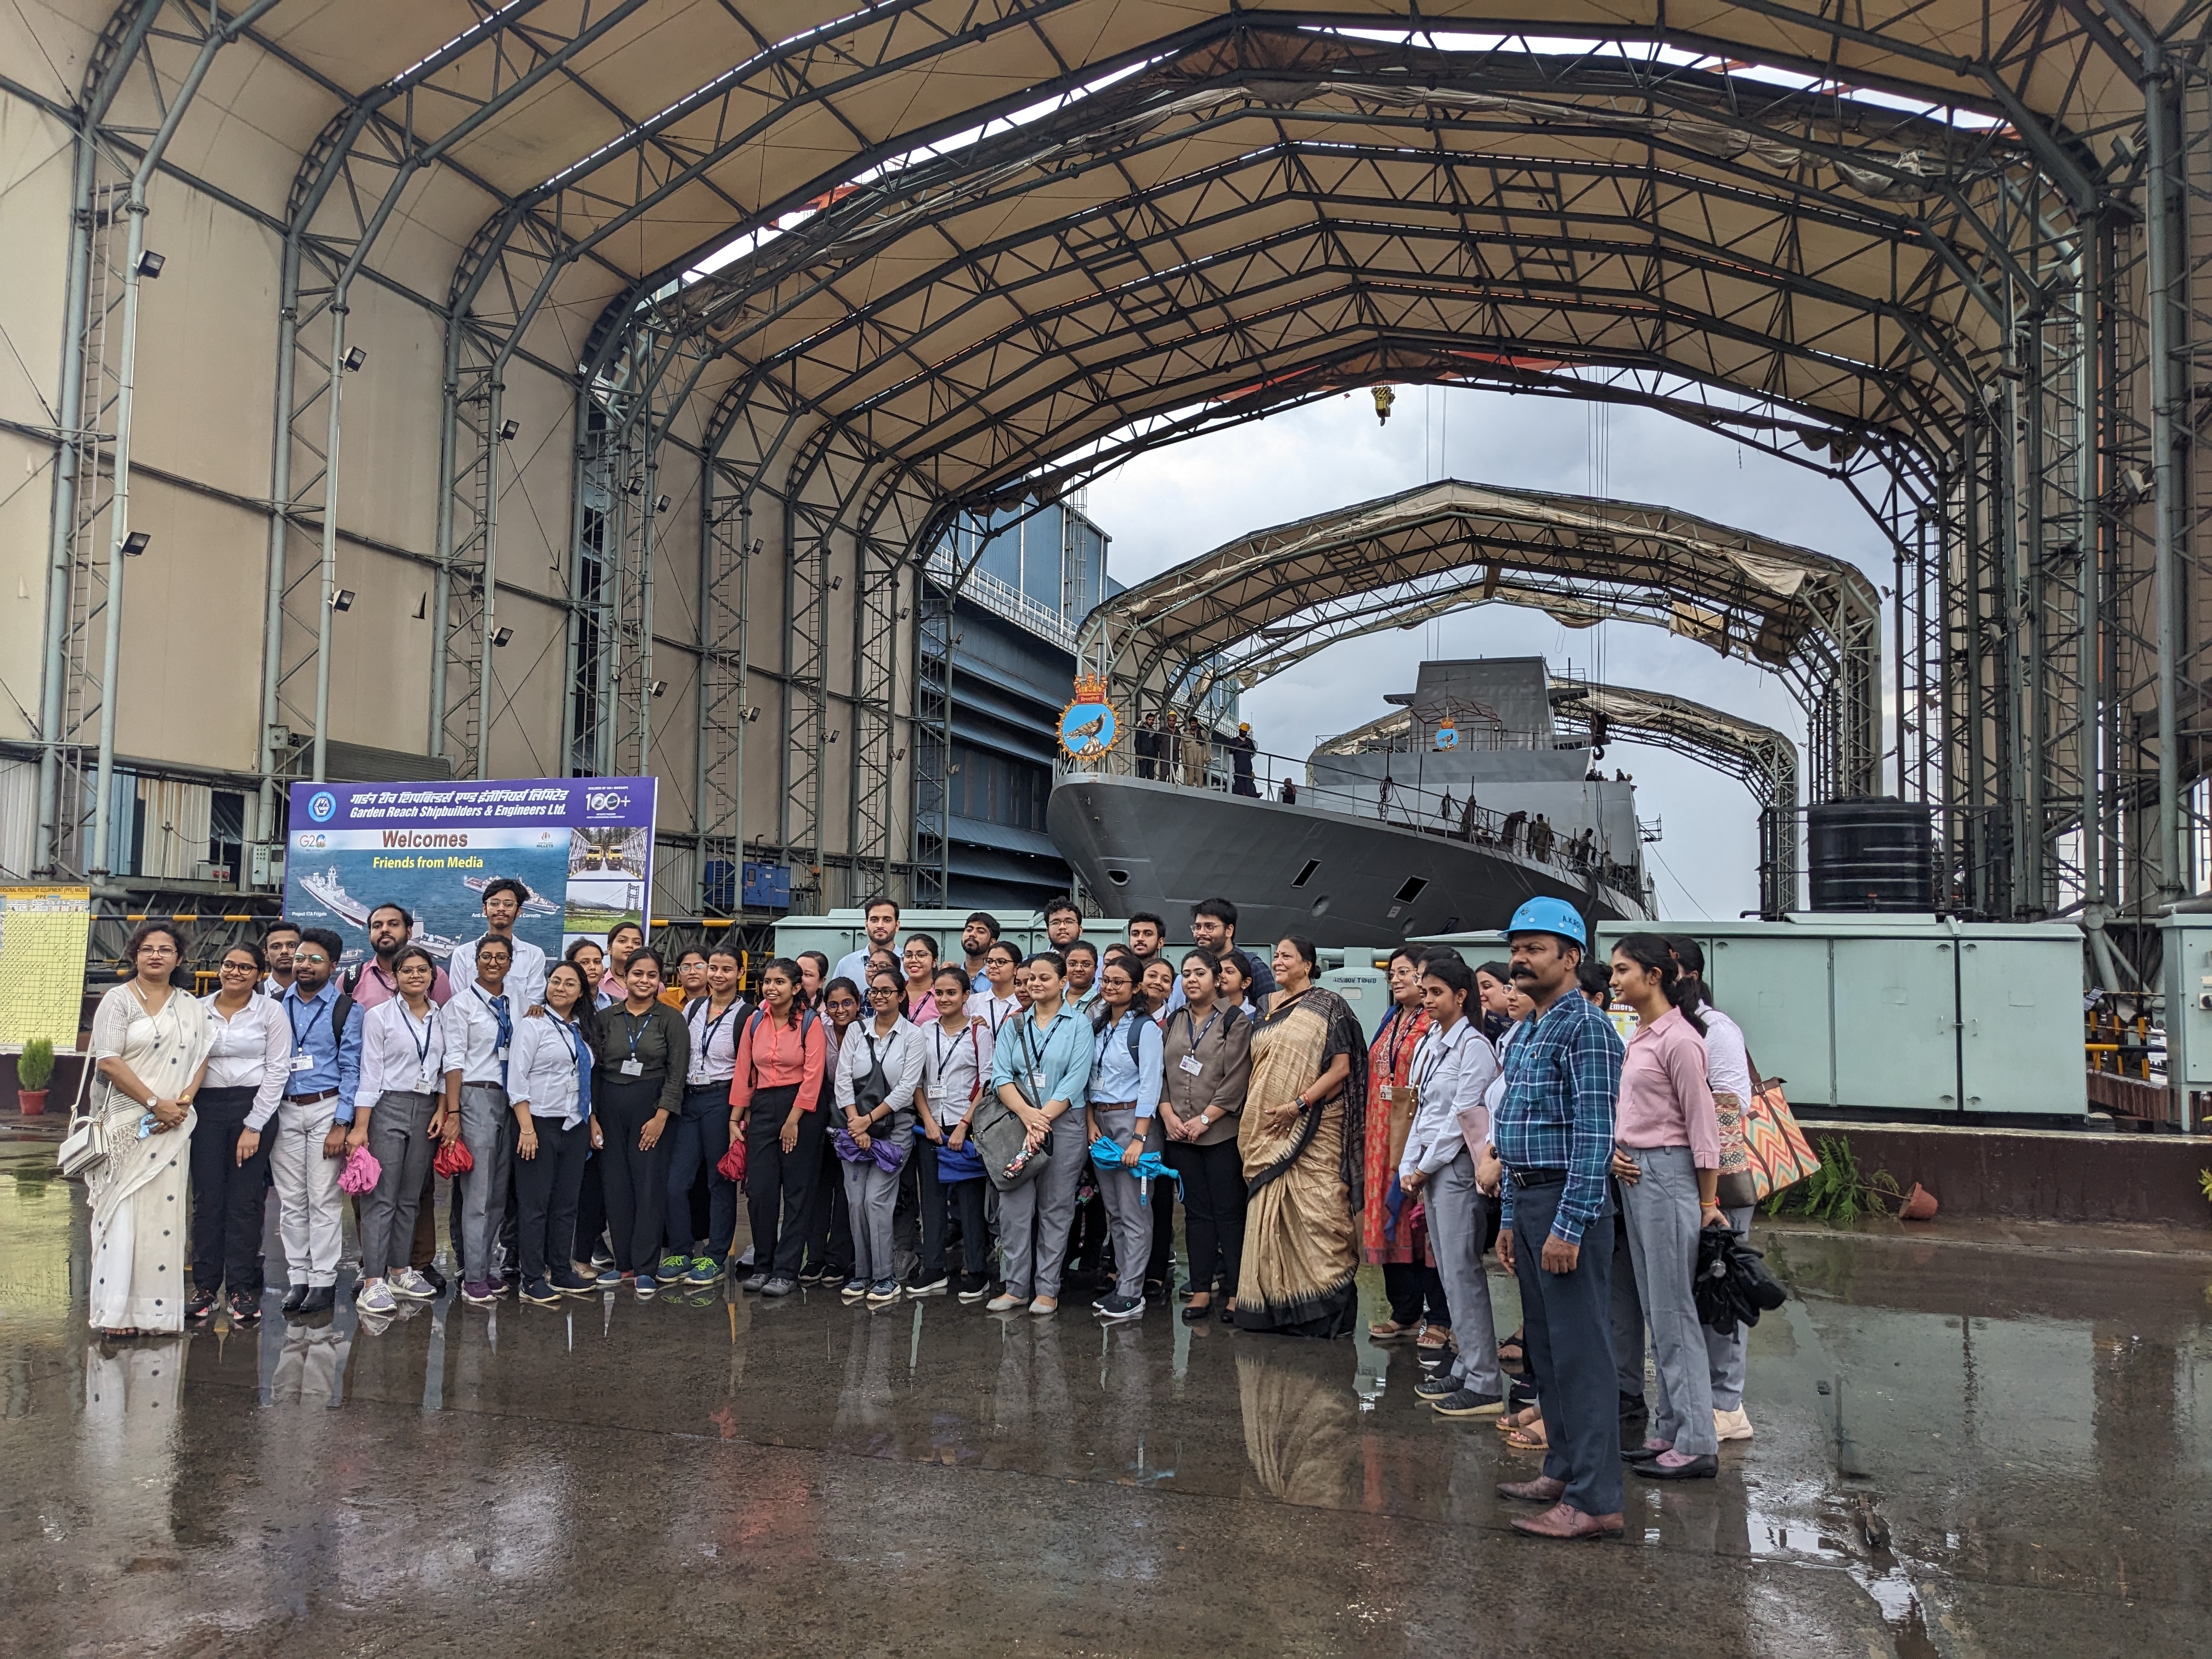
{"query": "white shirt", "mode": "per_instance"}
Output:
(902, 1052)
(525, 974)
(400, 1053)
(273, 987)
(955, 1067)
(1452, 1070)
(471, 1033)
(714, 1042)
(253, 1050)
(993, 1011)
(854, 965)
(541, 1071)
(1728, 1061)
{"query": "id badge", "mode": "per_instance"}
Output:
(1386, 1094)
(1189, 1063)
(500, 1055)
(938, 1093)
(699, 1079)
(303, 1062)
(632, 1068)
(424, 1084)
(1037, 1081)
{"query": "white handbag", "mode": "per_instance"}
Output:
(84, 1148)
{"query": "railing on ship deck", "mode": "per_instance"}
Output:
(1218, 767)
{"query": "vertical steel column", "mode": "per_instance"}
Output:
(327, 603)
(2170, 478)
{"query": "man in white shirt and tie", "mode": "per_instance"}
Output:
(524, 982)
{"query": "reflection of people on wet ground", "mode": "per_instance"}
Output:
(1301, 1136)
(311, 1364)
(1301, 1419)
(1452, 1076)
(1393, 1228)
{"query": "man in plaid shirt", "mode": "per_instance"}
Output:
(1554, 1136)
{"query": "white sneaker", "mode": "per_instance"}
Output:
(409, 1284)
(1731, 1426)
(376, 1299)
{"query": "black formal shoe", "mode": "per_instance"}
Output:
(294, 1298)
(1197, 1316)
(1703, 1466)
(433, 1278)
(319, 1300)
(1641, 1454)
(1632, 1405)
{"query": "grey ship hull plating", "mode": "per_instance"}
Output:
(1140, 845)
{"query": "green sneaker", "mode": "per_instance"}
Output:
(704, 1270)
(674, 1266)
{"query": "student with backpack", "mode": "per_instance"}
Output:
(701, 1132)
(775, 1085)
(1205, 1062)
(1124, 1098)
(878, 1073)
(955, 1064)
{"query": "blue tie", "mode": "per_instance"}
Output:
(506, 1034)
(583, 1066)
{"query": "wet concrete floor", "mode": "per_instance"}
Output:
(1976, 1448)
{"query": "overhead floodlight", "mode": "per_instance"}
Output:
(660, 503)
(342, 600)
(135, 543)
(509, 431)
(150, 264)
(502, 636)
(658, 686)
(355, 358)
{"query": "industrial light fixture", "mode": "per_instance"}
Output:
(342, 600)
(502, 636)
(150, 264)
(753, 714)
(658, 686)
(507, 431)
(660, 503)
(135, 543)
(355, 358)
(836, 582)
(1383, 398)
(2134, 482)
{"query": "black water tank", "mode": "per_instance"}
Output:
(1870, 855)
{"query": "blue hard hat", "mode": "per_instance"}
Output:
(1549, 915)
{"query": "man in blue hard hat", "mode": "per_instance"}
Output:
(1554, 1135)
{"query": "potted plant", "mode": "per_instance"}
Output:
(34, 1069)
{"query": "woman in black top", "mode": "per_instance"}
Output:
(644, 1052)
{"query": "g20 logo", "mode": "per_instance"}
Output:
(322, 806)
(313, 843)
(606, 800)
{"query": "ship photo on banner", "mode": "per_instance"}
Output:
(583, 848)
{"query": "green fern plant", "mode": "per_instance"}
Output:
(2204, 1183)
(1838, 1192)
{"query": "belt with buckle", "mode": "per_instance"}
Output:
(310, 1100)
(1537, 1177)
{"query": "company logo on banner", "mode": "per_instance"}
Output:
(582, 848)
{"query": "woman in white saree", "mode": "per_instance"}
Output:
(149, 1042)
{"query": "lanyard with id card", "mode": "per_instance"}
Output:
(633, 1066)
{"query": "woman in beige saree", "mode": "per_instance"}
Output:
(150, 1043)
(1302, 1138)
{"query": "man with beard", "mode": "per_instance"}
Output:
(390, 927)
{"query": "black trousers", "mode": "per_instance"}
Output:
(591, 1207)
(545, 1190)
(635, 1182)
(1160, 1269)
(965, 1199)
(227, 1199)
(780, 1186)
(1416, 1291)
(1212, 1210)
(930, 1204)
(828, 1221)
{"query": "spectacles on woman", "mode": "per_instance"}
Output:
(241, 966)
(883, 991)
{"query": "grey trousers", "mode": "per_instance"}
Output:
(1456, 1230)
(487, 1131)
(1130, 1219)
(1033, 1218)
(1661, 1215)
(399, 1141)
(871, 1194)
(1724, 1359)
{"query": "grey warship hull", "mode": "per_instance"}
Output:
(1333, 877)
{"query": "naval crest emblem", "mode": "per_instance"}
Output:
(1088, 726)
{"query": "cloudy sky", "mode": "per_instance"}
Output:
(1176, 503)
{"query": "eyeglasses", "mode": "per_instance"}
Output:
(240, 968)
(883, 990)
(307, 958)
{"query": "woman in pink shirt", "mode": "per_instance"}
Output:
(1668, 1156)
(774, 1103)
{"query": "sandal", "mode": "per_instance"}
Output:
(1529, 1439)
(1512, 1354)
(1388, 1330)
(1229, 1311)
(1435, 1338)
(1520, 1419)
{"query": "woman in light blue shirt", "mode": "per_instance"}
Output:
(1041, 1070)
(1124, 1100)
